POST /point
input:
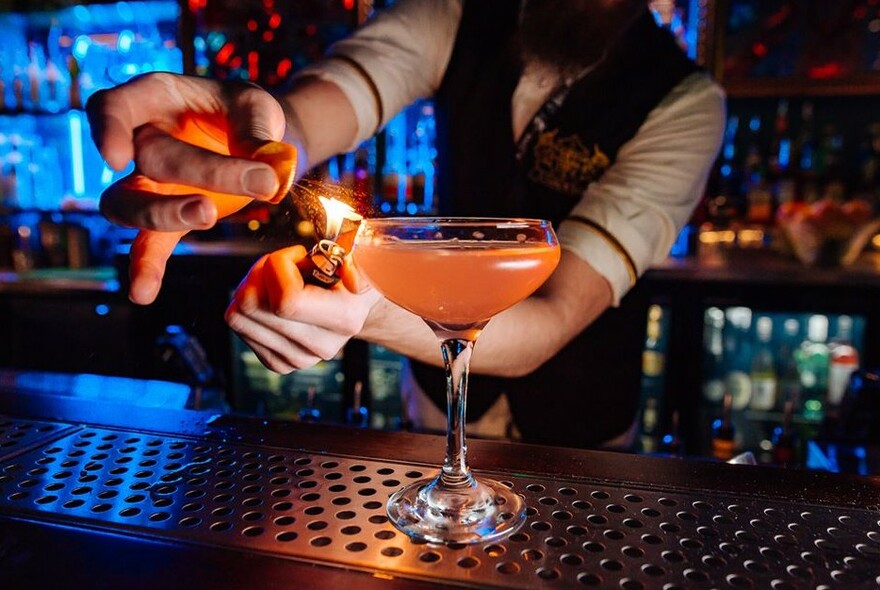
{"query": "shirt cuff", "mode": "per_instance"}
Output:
(600, 250)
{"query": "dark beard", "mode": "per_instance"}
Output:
(569, 35)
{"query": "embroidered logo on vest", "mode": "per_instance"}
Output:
(565, 164)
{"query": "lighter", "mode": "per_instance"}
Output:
(323, 264)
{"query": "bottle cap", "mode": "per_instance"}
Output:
(817, 328)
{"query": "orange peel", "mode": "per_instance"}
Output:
(282, 158)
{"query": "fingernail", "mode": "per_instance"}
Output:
(260, 182)
(194, 214)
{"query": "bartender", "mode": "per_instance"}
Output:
(582, 112)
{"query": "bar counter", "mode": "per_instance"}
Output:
(117, 496)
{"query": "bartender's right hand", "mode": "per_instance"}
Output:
(173, 127)
(291, 325)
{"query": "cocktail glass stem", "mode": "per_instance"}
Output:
(457, 358)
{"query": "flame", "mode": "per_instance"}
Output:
(337, 212)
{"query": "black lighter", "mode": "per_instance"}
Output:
(323, 264)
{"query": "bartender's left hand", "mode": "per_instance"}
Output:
(290, 325)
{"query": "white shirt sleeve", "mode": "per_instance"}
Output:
(404, 49)
(648, 194)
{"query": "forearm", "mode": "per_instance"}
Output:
(320, 119)
(518, 340)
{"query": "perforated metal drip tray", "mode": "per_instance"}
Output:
(17, 435)
(328, 509)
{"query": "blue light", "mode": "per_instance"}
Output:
(681, 247)
(385, 207)
(76, 152)
(726, 170)
(102, 309)
(667, 439)
(412, 208)
(124, 11)
(199, 43)
(755, 123)
(785, 153)
(81, 45)
(729, 151)
(693, 27)
(333, 169)
(106, 175)
(216, 40)
(82, 14)
(124, 41)
(130, 69)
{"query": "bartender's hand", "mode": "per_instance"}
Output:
(290, 325)
(144, 120)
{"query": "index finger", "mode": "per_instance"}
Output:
(115, 113)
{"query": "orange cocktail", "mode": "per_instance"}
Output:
(456, 274)
(456, 282)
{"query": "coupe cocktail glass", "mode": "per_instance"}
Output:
(456, 274)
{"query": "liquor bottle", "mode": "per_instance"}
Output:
(758, 197)
(649, 428)
(724, 432)
(358, 415)
(869, 165)
(394, 173)
(653, 358)
(671, 443)
(763, 373)
(780, 171)
(789, 384)
(812, 358)
(829, 160)
(310, 412)
(785, 439)
(738, 356)
(713, 355)
(421, 159)
(808, 184)
(844, 361)
(720, 206)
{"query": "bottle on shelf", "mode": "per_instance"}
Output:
(649, 428)
(829, 161)
(395, 184)
(843, 361)
(738, 356)
(653, 355)
(756, 190)
(806, 152)
(724, 432)
(763, 370)
(713, 355)
(357, 415)
(785, 439)
(813, 358)
(789, 384)
(310, 412)
(671, 443)
(780, 171)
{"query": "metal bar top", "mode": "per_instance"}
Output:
(118, 496)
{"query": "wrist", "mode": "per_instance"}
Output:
(294, 135)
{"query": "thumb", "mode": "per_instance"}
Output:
(150, 252)
(256, 127)
(352, 278)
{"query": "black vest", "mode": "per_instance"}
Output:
(573, 399)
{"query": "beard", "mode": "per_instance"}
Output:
(569, 35)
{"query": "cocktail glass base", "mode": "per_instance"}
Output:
(483, 510)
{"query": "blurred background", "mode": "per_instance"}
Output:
(761, 330)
